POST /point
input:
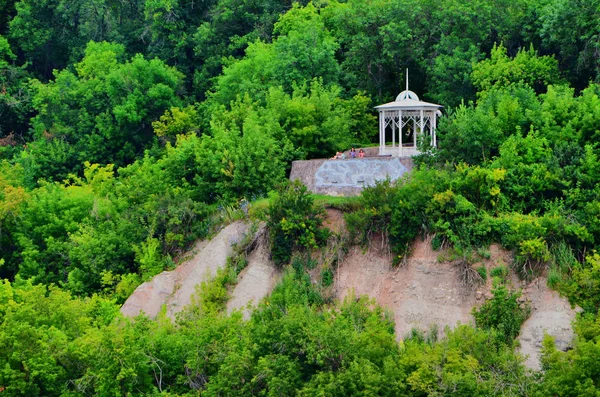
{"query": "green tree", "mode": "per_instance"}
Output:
(526, 68)
(570, 28)
(294, 222)
(103, 113)
(14, 99)
(54, 33)
(502, 313)
(302, 50)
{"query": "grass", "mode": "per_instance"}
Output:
(343, 203)
(500, 271)
(482, 272)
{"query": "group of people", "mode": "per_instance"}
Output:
(353, 154)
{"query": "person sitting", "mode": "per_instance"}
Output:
(338, 155)
(353, 153)
(361, 154)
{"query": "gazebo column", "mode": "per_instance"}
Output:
(421, 127)
(381, 131)
(431, 117)
(400, 132)
(434, 129)
(393, 119)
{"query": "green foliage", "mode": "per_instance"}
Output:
(482, 271)
(14, 99)
(473, 134)
(88, 81)
(500, 272)
(239, 160)
(301, 51)
(294, 222)
(176, 121)
(102, 113)
(326, 277)
(585, 283)
(502, 313)
(38, 329)
(572, 373)
(72, 233)
(567, 28)
(54, 344)
(374, 213)
(525, 68)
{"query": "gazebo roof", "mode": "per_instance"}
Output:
(408, 100)
(408, 104)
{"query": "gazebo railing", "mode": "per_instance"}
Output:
(405, 151)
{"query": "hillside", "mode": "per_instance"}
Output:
(425, 293)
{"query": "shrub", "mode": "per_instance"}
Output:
(484, 253)
(482, 272)
(374, 213)
(500, 272)
(502, 313)
(531, 255)
(294, 222)
(554, 278)
(326, 277)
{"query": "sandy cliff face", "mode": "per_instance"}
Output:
(424, 293)
(175, 288)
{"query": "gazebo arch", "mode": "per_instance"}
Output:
(409, 120)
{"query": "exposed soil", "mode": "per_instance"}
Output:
(424, 293)
(255, 282)
(175, 288)
(550, 314)
(334, 220)
(421, 294)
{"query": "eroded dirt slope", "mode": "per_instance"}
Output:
(175, 288)
(550, 314)
(420, 294)
(426, 292)
(255, 282)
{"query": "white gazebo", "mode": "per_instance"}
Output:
(408, 120)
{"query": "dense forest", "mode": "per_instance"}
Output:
(130, 129)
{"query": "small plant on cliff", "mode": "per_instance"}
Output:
(374, 213)
(502, 313)
(294, 222)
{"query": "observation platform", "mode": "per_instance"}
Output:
(348, 177)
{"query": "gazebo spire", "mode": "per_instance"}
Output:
(406, 79)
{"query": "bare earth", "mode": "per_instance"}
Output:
(175, 288)
(550, 314)
(427, 292)
(255, 282)
(420, 294)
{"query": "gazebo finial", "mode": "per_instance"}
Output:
(406, 79)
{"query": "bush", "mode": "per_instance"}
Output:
(294, 222)
(482, 273)
(374, 214)
(499, 272)
(554, 278)
(326, 277)
(502, 313)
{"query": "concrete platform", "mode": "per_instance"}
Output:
(348, 177)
